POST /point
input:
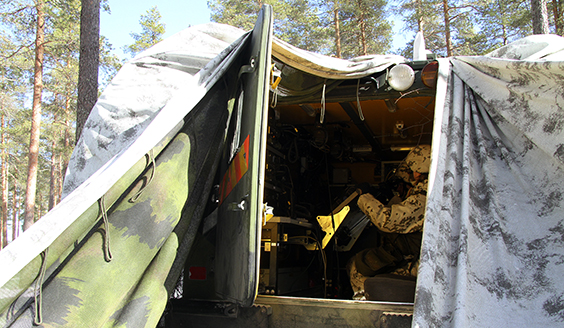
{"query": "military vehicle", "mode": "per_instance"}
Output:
(215, 184)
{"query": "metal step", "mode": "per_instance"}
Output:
(290, 312)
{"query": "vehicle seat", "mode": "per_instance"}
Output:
(390, 288)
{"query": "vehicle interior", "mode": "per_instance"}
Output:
(320, 157)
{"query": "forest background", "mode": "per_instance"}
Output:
(39, 65)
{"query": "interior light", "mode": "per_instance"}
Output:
(401, 77)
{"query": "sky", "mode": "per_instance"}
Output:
(124, 18)
(176, 15)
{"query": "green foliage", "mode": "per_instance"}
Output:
(476, 26)
(310, 24)
(109, 63)
(364, 27)
(504, 20)
(242, 14)
(300, 23)
(152, 31)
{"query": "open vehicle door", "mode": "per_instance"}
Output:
(242, 168)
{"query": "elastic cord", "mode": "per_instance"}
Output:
(150, 161)
(274, 101)
(358, 101)
(38, 290)
(322, 118)
(107, 251)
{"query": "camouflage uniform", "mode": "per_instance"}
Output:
(407, 216)
(357, 282)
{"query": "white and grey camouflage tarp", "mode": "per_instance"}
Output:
(139, 91)
(493, 243)
(147, 83)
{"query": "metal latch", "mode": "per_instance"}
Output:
(240, 206)
(248, 68)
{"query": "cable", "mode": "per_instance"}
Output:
(359, 108)
(323, 258)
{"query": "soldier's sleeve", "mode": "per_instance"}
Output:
(405, 217)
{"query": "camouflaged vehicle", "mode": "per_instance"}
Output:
(215, 184)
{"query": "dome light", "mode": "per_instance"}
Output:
(401, 77)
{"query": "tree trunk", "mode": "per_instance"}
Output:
(540, 16)
(337, 32)
(88, 62)
(35, 120)
(59, 185)
(420, 21)
(53, 177)
(4, 171)
(64, 161)
(557, 11)
(362, 25)
(15, 214)
(447, 28)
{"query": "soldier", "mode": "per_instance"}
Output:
(400, 223)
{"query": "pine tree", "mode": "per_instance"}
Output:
(557, 7)
(449, 26)
(241, 14)
(58, 97)
(335, 27)
(504, 21)
(300, 23)
(152, 31)
(364, 28)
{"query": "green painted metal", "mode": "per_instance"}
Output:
(240, 215)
